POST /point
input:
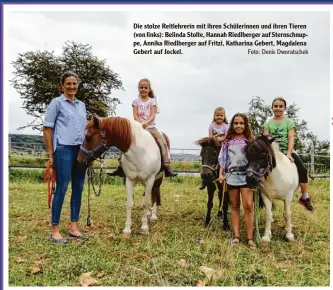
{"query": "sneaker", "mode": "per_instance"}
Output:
(168, 172)
(306, 203)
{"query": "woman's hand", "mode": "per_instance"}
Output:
(144, 125)
(290, 158)
(221, 178)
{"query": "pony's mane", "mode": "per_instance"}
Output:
(118, 132)
(261, 145)
(207, 141)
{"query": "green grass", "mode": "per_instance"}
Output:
(177, 234)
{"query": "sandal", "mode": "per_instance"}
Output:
(81, 237)
(251, 243)
(235, 241)
(58, 241)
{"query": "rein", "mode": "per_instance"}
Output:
(50, 179)
(90, 171)
(223, 194)
(91, 176)
(256, 216)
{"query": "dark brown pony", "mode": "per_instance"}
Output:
(209, 153)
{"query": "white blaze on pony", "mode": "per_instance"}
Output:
(141, 158)
(277, 177)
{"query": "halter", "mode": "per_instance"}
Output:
(266, 171)
(213, 168)
(91, 153)
(210, 167)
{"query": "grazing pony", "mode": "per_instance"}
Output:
(276, 176)
(141, 159)
(210, 170)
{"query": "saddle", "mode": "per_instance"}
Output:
(156, 141)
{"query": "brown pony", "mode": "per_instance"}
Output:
(141, 159)
(209, 153)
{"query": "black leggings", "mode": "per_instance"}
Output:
(302, 171)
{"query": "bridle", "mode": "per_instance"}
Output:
(267, 169)
(92, 154)
(213, 168)
(210, 167)
(102, 145)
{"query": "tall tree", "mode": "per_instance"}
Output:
(37, 80)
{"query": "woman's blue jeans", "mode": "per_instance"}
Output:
(67, 168)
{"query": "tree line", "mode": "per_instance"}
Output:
(37, 77)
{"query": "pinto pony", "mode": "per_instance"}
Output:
(209, 153)
(276, 176)
(141, 159)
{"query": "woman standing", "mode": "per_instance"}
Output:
(64, 130)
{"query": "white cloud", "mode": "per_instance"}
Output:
(189, 86)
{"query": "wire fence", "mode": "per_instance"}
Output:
(317, 164)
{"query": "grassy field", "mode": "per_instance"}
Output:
(177, 248)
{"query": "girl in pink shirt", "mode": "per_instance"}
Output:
(144, 111)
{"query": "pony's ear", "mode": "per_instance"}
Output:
(96, 122)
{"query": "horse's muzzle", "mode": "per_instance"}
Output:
(207, 177)
(83, 163)
(251, 180)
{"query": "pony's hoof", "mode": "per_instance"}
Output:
(153, 218)
(226, 228)
(265, 240)
(125, 236)
(264, 244)
(219, 213)
(290, 237)
(144, 230)
(206, 224)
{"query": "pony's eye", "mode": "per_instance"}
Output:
(88, 138)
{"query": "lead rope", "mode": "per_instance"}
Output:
(50, 179)
(90, 173)
(223, 194)
(256, 216)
